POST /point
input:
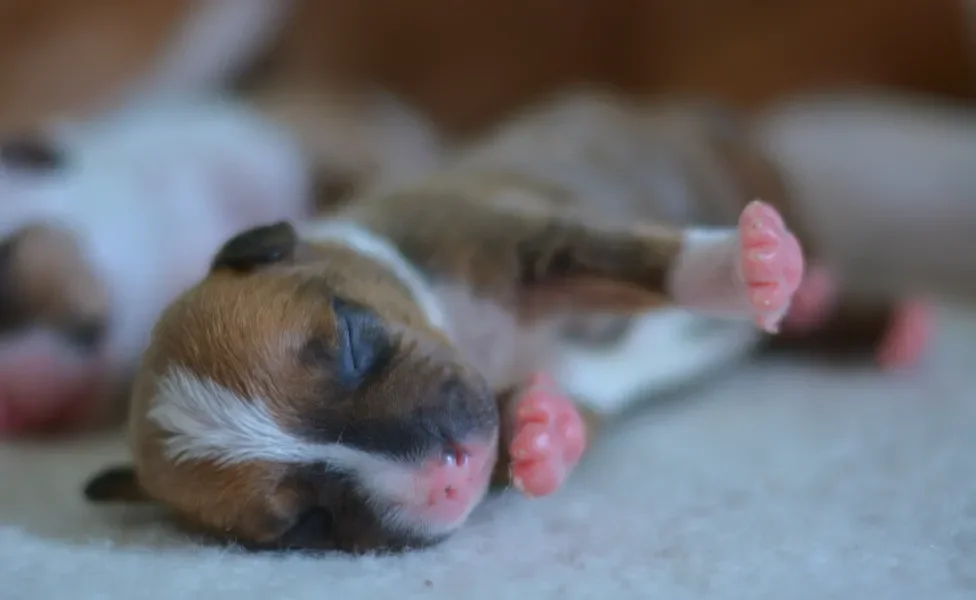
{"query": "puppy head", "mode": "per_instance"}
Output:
(300, 396)
(55, 302)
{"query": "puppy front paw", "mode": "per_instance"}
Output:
(771, 264)
(548, 440)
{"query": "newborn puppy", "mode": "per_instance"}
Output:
(356, 383)
(353, 382)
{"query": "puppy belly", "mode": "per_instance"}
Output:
(662, 351)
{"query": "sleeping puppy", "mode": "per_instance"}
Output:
(357, 382)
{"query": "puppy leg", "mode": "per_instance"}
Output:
(824, 316)
(751, 271)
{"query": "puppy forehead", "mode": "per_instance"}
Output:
(241, 330)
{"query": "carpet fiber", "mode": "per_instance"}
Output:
(783, 480)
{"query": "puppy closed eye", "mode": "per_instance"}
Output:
(363, 343)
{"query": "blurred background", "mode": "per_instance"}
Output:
(466, 63)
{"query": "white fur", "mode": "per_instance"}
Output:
(367, 243)
(152, 194)
(662, 351)
(209, 422)
(206, 421)
(492, 338)
(707, 274)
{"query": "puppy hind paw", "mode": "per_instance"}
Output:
(771, 264)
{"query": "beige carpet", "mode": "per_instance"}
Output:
(781, 481)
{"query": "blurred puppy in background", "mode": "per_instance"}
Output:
(122, 174)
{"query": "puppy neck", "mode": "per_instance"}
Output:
(360, 239)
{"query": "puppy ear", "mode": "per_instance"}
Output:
(257, 247)
(116, 484)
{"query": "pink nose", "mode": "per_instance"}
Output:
(453, 483)
(45, 389)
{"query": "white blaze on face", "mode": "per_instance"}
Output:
(205, 421)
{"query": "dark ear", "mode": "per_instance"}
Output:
(116, 484)
(257, 247)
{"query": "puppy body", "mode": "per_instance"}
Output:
(354, 383)
(351, 384)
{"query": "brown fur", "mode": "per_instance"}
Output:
(518, 240)
(48, 282)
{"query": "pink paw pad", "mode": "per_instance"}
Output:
(549, 439)
(772, 263)
(908, 337)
